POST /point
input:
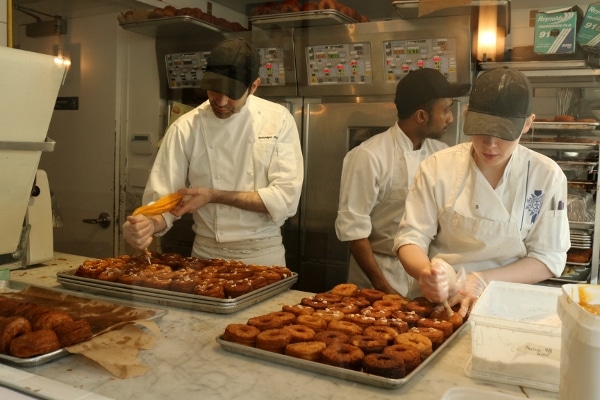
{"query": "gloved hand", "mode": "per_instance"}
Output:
(468, 293)
(436, 282)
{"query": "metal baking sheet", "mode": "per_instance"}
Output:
(337, 372)
(581, 225)
(176, 26)
(578, 126)
(171, 298)
(301, 19)
(55, 355)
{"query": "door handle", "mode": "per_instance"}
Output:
(103, 220)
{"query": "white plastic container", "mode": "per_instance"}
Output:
(580, 358)
(468, 393)
(516, 336)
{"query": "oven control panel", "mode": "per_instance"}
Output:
(339, 64)
(402, 56)
(272, 66)
(185, 70)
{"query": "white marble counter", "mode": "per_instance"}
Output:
(187, 361)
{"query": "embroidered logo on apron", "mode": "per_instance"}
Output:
(534, 204)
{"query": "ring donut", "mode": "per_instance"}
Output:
(419, 342)
(241, 333)
(10, 329)
(328, 5)
(310, 350)
(343, 355)
(386, 365)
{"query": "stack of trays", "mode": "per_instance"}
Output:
(174, 299)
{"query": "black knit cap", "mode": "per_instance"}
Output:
(500, 102)
(231, 68)
(422, 85)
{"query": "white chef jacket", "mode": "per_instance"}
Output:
(452, 212)
(376, 176)
(257, 149)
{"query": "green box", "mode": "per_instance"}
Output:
(555, 31)
(589, 32)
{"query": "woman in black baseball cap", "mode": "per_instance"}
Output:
(491, 208)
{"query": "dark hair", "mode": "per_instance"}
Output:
(427, 107)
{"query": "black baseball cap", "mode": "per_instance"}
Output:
(422, 85)
(231, 68)
(499, 105)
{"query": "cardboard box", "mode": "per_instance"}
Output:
(556, 31)
(588, 36)
(516, 336)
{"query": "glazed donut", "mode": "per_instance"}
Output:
(349, 328)
(435, 335)
(271, 276)
(159, 280)
(310, 6)
(389, 305)
(328, 298)
(386, 365)
(237, 288)
(287, 318)
(290, 6)
(564, 118)
(257, 282)
(315, 323)
(30, 311)
(329, 315)
(455, 319)
(8, 307)
(34, 343)
(265, 322)
(421, 343)
(382, 332)
(371, 294)
(359, 319)
(396, 324)
(421, 306)
(11, 328)
(376, 312)
(298, 309)
(396, 297)
(328, 5)
(184, 281)
(192, 263)
(345, 289)
(344, 308)
(210, 289)
(273, 340)
(410, 317)
(50, 320)
(358, 301)
(300, 333)
(343, 355)
(73, 332)
(241, 333)
(409, 354)
(330, 337)
(314, 303)
(444, 326)
(310, 350)
(368, 344)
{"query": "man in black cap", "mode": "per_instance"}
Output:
(236, 159)
(491, 208)
(377, 174)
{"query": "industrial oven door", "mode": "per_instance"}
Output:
(331, 129)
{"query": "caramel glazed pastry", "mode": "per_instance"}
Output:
(218, 278)
(28, 329)
(359, 329)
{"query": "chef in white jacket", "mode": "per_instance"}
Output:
(491, 207)
(376, 176)
(237, 160)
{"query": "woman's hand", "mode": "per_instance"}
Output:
(468, 294)
(435, 282)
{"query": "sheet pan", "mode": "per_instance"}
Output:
(171, 298)
(17, 287)
(337, 372)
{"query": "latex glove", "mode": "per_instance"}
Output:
(436, 282)
(138, 231)
(468, 293)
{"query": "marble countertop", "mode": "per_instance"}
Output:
(187, 361)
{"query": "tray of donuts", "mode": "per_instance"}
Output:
(38, 324)
(217, 286)
(365, 335)
(293, 14)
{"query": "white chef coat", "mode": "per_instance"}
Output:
(452, 212)
(376, 176)
(257, 149)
